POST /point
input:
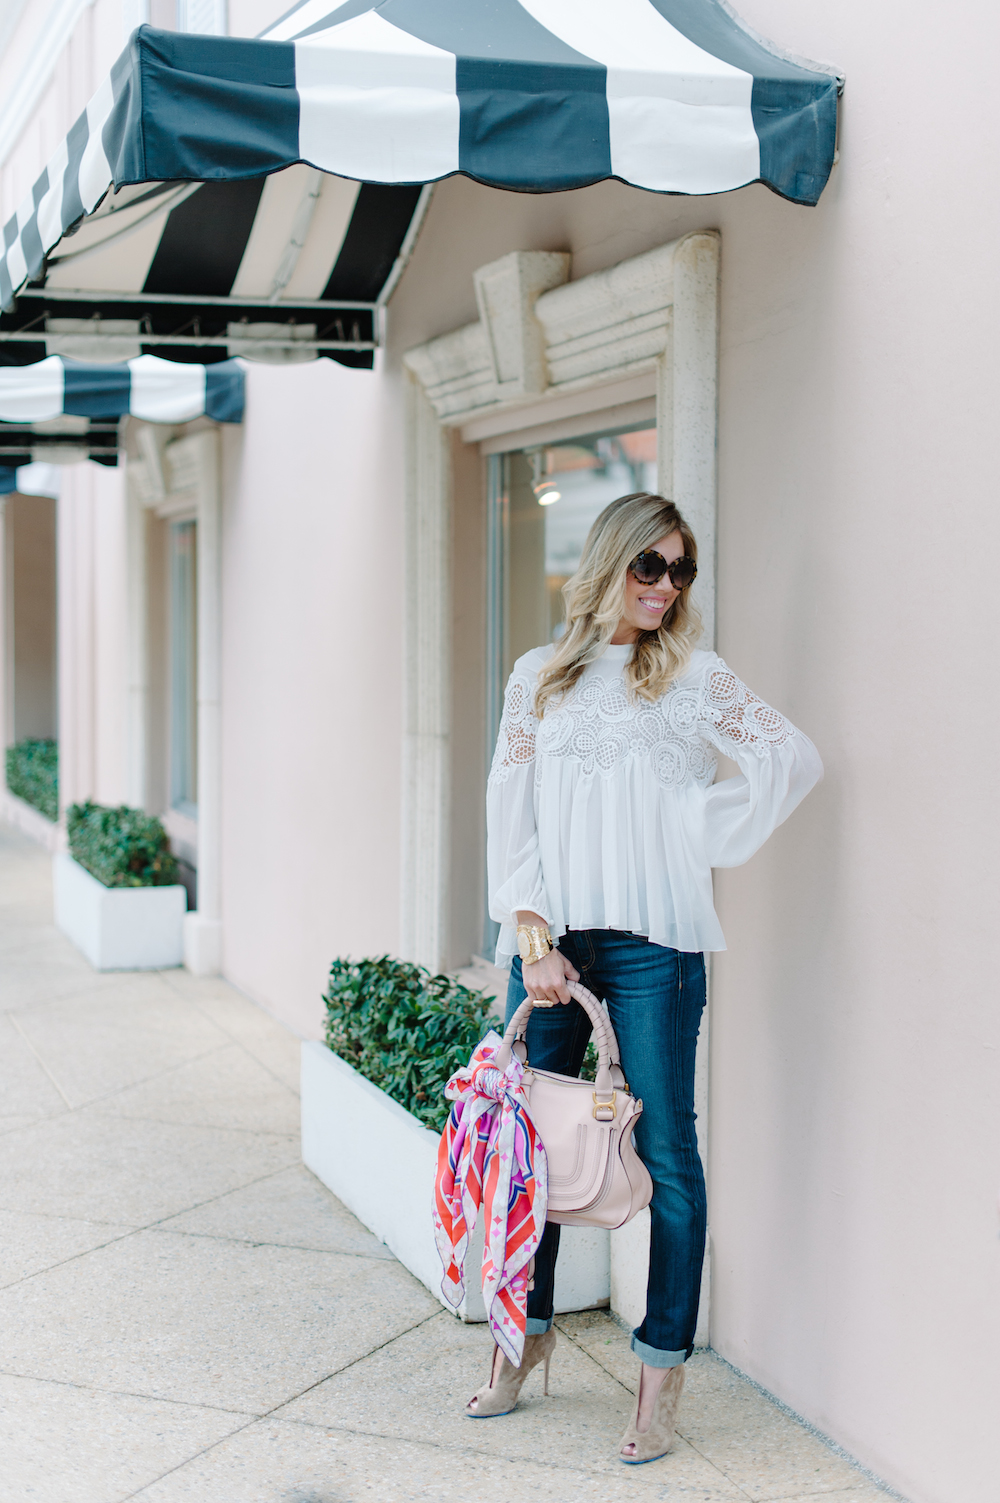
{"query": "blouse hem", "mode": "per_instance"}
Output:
(505, 952)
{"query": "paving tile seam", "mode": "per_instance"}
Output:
(717, 1468)
(336, 1372)
(73, 1258)
(460, 1450)
(161, 1221)
(568, 1336)
(255, 1132)
(198, 1006)
(59, 1216)
(187, 1460)
(200, 1204)
(119, 1090)
(134, 1085)
(270, 1414)
(838, 1494)
(18, 1029)
(803, 1424)
(699, 1452)
(250, 1415)
(631, 1392)
(331, 1252)
(33, 1121)
(99, 984)
(88, 1108)
(92, 989)
(183, 1231)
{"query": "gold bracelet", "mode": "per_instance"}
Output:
(533, 942)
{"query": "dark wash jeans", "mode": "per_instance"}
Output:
(655, 997)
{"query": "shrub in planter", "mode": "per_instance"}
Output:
(405, 1030)
(33, 774)
(120, 847)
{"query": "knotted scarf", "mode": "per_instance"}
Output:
(491, 1156)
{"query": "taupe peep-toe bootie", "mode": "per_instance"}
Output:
(506, 1380)
(655, 1442)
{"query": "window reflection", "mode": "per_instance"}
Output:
(542, 503)
(554, 493)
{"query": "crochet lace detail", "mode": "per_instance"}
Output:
(516, 740)
(600, 727)
(739, 716)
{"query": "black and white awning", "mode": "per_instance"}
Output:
(276, 268)
(60, 411)
(223, 196)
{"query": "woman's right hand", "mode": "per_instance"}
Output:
(545, 980)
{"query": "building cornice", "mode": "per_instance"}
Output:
(540, 334)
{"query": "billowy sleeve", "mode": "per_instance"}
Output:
(513, 864)
(778, 766)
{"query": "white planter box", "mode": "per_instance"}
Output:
(380, 1161)
(28, 820)
(118, 928)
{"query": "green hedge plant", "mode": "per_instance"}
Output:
(33, 774)
(121, 847)
(405, 1030)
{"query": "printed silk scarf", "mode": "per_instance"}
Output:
(490, 1155)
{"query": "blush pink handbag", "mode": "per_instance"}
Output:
(596, 1178)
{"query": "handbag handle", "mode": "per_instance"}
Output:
(610, 1076)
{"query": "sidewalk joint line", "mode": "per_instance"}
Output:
(33, 1121)
(805, 1424)
(126, 1498)
(129, 1393)
(134, 1085)
(269, 1414)
(73, 1258)
(61, 1216)
(16, 1025)
(389, 1341)
(598, 1363)
(158, 1221)
(335, 1252)
(198, 1007)
(198, 1126)
(460, 1450)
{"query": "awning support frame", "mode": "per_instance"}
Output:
(202, 341)
(99, 299)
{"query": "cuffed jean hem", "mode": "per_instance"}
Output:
(534, 1327)
(650, 1355)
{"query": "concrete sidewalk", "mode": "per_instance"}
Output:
(186, 1314)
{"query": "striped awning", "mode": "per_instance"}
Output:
(266, 192)
(65, 410)
(29, 479)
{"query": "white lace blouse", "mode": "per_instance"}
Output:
(603, 815)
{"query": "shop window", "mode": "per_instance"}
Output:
(543, 501)
(183, 672)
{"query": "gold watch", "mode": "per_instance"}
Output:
(533, 942)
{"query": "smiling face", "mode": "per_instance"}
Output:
(646, 605)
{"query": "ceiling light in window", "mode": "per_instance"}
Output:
(545, 495)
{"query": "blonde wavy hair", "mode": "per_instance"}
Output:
(595, 603)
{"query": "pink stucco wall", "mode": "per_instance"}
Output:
(313, 590)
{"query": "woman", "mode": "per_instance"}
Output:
(603, 828)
